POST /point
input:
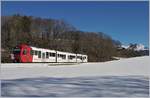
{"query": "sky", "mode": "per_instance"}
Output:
(126, 21)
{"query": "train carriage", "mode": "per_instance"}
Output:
(26, 53)
(85, 58)
(62, 56)
(72, 57)
(43, 55)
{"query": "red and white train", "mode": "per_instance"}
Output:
(24, 53)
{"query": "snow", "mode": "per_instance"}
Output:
(119, 78)
(139, 47)
(131, 66)
(124, 46)
(104, 86)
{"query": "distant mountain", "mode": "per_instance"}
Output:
(135, 47)
(134, 50)
(139, 47)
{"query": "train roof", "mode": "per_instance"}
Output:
(35, 48)
(49, 50)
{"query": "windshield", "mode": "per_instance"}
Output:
(16, 51)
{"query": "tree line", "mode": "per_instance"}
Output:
(57, 35)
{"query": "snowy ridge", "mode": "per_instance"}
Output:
(137, 47)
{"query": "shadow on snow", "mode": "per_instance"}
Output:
(106, 86)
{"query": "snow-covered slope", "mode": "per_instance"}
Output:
(130, 66)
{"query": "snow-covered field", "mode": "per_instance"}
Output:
(132, 66)
(126, 77)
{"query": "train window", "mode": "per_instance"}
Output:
(32, 52)
(47, 55)
(24, 52)
(62, 56)
(52, 54)
(36, 52)
(79, 57)
(39, 54)
(16, 51)
(43, 55)
(84, 58)
(71, 56)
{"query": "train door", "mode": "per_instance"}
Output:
(26, 55)
(43, 57)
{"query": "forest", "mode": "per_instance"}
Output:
(58, 35)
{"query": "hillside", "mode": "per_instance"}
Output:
(58, 35)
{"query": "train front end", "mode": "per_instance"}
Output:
(22, 53)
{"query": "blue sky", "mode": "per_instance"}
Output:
(126, 21)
